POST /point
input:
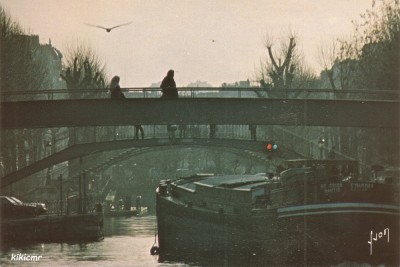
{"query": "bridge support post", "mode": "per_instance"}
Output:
(84, 193)
(80, 187)
(61, 194)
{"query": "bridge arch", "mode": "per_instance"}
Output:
(82, 150)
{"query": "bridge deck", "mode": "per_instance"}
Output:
(102, 112)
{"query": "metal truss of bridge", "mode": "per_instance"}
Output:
(232, 138)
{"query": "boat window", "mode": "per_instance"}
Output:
(258, 192)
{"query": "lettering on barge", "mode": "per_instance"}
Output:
(375, 237)
(331, 188)
(361, 186)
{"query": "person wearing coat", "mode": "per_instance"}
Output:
(168, 86)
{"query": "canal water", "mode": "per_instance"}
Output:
(127, 242)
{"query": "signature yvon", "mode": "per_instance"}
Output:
(384, 233)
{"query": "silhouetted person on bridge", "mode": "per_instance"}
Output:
(182, 130)
(138, 128)
(171, 131)
(213, 130)
(332, 153)
(168, 89)
(168, 86)
(115, 89)
(253, 131)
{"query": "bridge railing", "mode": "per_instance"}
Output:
(202, 92)
(282, 136)
(81, 135)
(113, 133)
(66, 137)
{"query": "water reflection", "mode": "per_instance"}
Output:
(130, 226)
(127, 242)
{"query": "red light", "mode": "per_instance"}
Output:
(269, 146)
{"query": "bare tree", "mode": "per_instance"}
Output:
(284, 67)
(282, 73)
(20, 69)
(327, 57)
(83, 69)
(278, 71)
(369, 59)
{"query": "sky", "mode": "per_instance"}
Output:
(215, 41)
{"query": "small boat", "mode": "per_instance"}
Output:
(142, 211)
(314, 212)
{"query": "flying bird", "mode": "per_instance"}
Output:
(108, 29)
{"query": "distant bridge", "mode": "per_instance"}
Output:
(81, 150)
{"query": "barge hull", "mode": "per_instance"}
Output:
(326, 238)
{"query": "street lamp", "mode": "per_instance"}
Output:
(321, 144)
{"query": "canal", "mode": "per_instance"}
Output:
(127, 242)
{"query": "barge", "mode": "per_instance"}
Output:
(314, 212)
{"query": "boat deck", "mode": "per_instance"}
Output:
(231, 181)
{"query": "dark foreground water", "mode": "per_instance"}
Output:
(127, 242)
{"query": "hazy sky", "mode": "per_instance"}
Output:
(179, 34)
